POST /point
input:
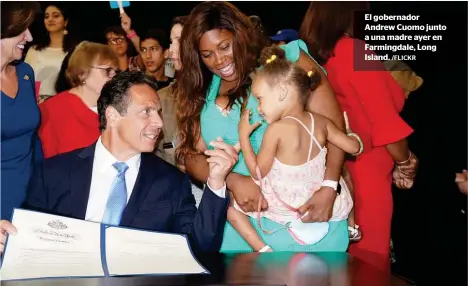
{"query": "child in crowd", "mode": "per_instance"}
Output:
(287, 180)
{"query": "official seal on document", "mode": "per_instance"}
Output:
(57, 224)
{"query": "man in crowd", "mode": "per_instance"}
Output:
(153, 44)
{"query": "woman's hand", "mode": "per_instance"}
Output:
(126, 23)
(319, 207)
(410, 168)
(401, 180)
(246, 193)
(404, 173)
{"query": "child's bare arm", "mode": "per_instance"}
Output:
(268, 150)
(349, 144)
(242, 224)
(267, 153)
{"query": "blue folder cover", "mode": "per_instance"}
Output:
(104, 227)
(115, 5)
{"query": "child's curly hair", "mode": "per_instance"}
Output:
(278, 69)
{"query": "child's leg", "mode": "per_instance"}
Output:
(353, 228)
(351, 221)
(242, 224)
(354, 233)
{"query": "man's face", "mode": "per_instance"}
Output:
(139, 128)
(152, 54)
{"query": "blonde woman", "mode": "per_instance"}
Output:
(69, 119)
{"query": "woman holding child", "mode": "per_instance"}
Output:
(214, 91)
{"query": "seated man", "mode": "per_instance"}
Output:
(118, 181)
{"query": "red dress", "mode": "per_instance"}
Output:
(372, 100)
(67, 124)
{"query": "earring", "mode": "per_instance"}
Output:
(65, 32)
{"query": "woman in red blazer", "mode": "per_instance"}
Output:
(69, 120)
(373, 101)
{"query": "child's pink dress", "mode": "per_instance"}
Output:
(288, 187)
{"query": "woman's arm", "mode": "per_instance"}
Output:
(376, 90)
(198, 168)
(126, 23)
(399, 150)
(322, 101)
(388, 128)
(196, 165)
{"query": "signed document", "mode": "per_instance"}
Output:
(134, 253)
(50, 246)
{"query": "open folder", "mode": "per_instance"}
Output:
(50, 246)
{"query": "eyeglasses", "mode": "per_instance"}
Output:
(116, 41)
(110, 72)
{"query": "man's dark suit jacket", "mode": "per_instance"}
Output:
(161, 200)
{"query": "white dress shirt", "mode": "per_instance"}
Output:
(103, 176)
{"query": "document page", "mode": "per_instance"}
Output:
(48, 246)
(133, 252)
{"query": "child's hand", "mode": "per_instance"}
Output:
(346, 120)
(245, 128)
(350, 133)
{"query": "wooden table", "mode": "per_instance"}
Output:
(277, 268)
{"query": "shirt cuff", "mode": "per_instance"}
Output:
(220, 192)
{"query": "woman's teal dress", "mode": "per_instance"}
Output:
(216, 124)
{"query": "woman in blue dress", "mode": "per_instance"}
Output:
(20, 114)
(219, 51)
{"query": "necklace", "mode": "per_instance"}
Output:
(224, 111)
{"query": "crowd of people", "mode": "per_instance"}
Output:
(218, 131)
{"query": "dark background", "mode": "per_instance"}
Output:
(430, 230)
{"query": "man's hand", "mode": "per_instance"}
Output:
(221, 161)
(319, 207)
(246, 193)
(462, 181)
(5, 227)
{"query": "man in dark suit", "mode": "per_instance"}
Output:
(118, 180)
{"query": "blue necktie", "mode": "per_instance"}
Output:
(118, 196)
